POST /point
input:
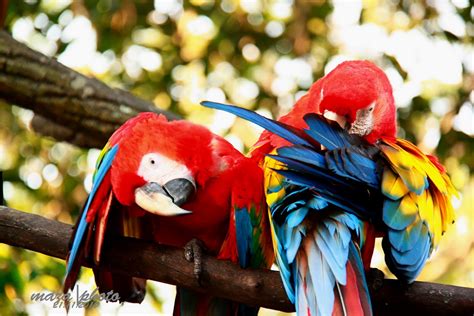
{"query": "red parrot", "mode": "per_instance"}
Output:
(333, 187)
(350, 87)
(358, 96)
(177, 184)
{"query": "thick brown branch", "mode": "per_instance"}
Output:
(253, 287)
(80, 104)
(46, 127)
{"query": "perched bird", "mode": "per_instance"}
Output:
(174, 183)
(331, 190)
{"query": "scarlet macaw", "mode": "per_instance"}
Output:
(330, 189)
(172, 183)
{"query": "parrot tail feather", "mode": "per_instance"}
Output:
(330, 273)
(81, 240)
(71, 277)
(129, 289)
(353, 298)
(75, 266)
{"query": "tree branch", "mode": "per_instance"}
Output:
(84, 111)
(221, 278)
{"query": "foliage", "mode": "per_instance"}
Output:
(258, 54)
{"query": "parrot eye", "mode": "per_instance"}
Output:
(153, 162)
(155, 167)
(372, 107)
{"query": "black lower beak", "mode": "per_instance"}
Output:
(179, 190)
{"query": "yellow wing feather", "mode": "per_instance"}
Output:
(274, 191)
(408, 205)
(393, 185)
(423, 188)
(273, 180)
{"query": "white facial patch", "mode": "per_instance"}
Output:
(364, 122)
(160, 169)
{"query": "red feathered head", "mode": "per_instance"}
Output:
(158, 156)
(360, 94)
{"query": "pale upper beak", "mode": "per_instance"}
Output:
(340, 119)
(165, 200)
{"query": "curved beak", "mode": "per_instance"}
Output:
(165, 200)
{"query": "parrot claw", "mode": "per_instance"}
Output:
(193, 253)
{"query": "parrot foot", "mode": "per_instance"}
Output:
(193, 251)
(375, 278)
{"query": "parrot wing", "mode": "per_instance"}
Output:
(93, 218)
(417, 208)
(413, 191)
(248, 240)
(319, 263)
(336, 174)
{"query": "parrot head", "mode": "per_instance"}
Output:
(358, 95)
(160, 164)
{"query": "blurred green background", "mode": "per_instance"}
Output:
(262, 55)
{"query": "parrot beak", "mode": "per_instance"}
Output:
(340, 119)
(165, 200)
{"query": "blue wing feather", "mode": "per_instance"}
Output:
(275, 127)
(295, 218)
(303, 154)
(299, 167)
(394, 218)
(361, 161)
(243, 228)
(98, 177)
(293, 245)
(408, 263)
(345, 163)
(329, 194)
(324, 280)
(335, 256)
(404, 240)
(325, 133)
(360, 167)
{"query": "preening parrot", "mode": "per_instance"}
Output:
(175, 183)
(331, 190)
